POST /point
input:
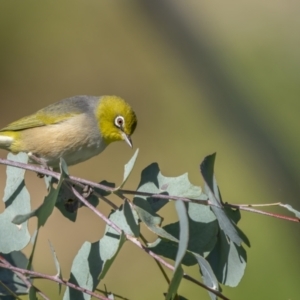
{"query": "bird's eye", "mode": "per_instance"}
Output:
(119, 121)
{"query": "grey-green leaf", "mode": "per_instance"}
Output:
(183, 232)
(212, 191)
(12, 281)
(57, 265)
(209, 278)
(44, 211)
(174, 284)
(33, 240)
(128, 168)
(152, 181)
(203, 230)
(17, 201)
(228, 261)
(94, 259)
(182, 246)
(131, 219)
(150, 218)
(32, 293)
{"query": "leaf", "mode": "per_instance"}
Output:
(32, 293)
(103, 192)
(131, 219)
(11, 280)
(203, 230)
(68, 204)
(152, 181)
(169, 250)
(17, 200)
(150, 219)
(94, 259)
(57, 266)
(183, 233)
(183, 243)
(212, 191)
(174, 284)
(228, 261)
(209, 278)
(44, 211)
(128, 168)
(33, 240)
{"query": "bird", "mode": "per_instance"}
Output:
(75, 129)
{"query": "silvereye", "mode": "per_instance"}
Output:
(75, 129)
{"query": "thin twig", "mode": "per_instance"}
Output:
(259, 205)
(23, 278)
(74, 179)
(9, 291)
(34, 274)
(253, 210)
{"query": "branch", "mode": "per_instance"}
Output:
(22, 277)
(73, 179)
(33, 274)
(250, 209)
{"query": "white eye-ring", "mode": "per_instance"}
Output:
(119, 122)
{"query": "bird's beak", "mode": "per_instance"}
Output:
(128, 140)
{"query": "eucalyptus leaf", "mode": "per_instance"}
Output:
(209, 278)
(228, 261)
(17, 201)
(57, 266)
(33, 240)
(151, 219)
(94, 259)
(128, 168)
(44, 211)
(131, 219)
(183, 232)
(9, 278)
(68, 204)
(203, 231)
(174, 284)
(103, 192)
(182, 247)
(152, 181)
(32, 293)
(213, 193)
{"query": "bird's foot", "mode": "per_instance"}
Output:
(87, 191)
(39, 161)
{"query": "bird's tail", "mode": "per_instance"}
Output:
(5, 141)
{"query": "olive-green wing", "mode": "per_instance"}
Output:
(55, 113)
(41, 118)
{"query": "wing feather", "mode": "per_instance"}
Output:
(55, 113)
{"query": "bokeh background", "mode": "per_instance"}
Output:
(202, 76)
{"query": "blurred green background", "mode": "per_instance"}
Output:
(202, 77)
